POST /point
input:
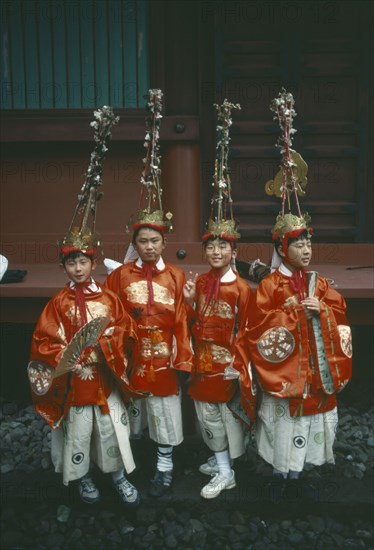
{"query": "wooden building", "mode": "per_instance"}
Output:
(61, 59)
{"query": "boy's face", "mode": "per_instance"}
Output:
(79, 269)
(149, 244)
(218, 254)
(299, 253)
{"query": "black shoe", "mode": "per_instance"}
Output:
(298, 490)
(161, 483)
(275, 489)
(310, 491)
(293, 491)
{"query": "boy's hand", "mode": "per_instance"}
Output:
(311, 306)
(77, 368)
(189, 289)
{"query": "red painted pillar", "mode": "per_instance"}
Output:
(180, 178)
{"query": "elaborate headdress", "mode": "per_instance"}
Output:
(150, 211)
(81, 236)
(221, 222)
(291, 179)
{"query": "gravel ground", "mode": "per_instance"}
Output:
(25, 446)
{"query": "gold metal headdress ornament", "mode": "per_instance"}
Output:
(291, 180)
(221, 222)
(150, 211)
(81, 236)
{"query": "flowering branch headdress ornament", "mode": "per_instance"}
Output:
(291, 179)
(221, 222)
(81, 235)
(150, 211)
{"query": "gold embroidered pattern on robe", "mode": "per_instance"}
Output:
(94, 309)
(150, 349)
(345, 339)
(137, 293)
(220, 308)
(209, 353)
(276, 344)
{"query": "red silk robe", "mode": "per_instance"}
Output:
(164, 342)
(104, 366)
(214, 335)
(282, 345)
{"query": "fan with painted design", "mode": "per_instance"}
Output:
(41, 375)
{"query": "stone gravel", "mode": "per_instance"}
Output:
(25, 441)
(25, 448)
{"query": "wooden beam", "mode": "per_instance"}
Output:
(74, 125)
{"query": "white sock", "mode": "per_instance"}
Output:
(116, 476)
(223, 463)
(164, 459)
(231, 460)
(278, 472)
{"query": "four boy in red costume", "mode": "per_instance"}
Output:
(291, 340)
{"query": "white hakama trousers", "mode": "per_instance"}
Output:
(220, 429)
(288, 443)
(163, 416)
(88, 435)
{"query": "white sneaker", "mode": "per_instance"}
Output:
(128, 493)
(210, 468)
(217, 484)
(88, 491)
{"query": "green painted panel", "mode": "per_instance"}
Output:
(87, 55)
(16, 56)
(115, 53)
(45, 48)
(59, 54)
(73, 49)
(6, 91)
(101, 54)
(130, 53)
(32, 80)
(74, 53)
(143, 51)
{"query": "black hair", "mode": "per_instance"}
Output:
(214, 238)
(304, 235)
(136, 232)
(74, 255)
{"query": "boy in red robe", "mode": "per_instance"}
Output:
(299, 340)
(217, 305)
(85, 407)
(300, 345)
(84, 401)
(151, 291)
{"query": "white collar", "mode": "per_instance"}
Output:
(228, 277)
(93, 287)
(160, 264)
(284, 270)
